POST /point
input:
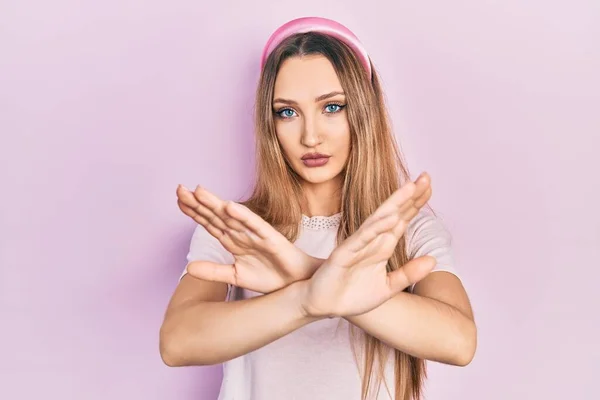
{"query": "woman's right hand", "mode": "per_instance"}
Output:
(264, 260)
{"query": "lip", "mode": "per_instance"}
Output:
(312, 160)
(309, 156)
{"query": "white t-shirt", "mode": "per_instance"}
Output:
(316, 361)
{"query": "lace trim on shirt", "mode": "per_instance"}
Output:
(319, 222)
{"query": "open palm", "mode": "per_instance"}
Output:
(354, 279)
(264, 260)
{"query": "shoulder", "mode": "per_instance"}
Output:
(426, 228)
(427, 234)
(204, 246)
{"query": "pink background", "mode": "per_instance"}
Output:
(106, 107)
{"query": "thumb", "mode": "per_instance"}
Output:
(411, 272)
(210, 271)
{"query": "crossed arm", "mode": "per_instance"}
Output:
(435, 322)
(200, 328)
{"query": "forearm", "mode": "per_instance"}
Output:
(422, 327)
(208, 333)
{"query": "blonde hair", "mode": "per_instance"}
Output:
(375, 169)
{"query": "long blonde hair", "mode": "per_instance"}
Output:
(375, 169)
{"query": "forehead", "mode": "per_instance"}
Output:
(306, 78)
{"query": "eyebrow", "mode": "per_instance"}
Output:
(320, 98)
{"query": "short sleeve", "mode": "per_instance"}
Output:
(427, 235)
(204, 246)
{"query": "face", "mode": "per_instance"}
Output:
(310, 119)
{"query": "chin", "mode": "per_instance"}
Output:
(318, 175)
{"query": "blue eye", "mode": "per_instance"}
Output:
(286, 113)
(333, 108)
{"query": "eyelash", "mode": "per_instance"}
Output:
(280, 111)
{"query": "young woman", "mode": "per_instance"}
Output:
(331, 281)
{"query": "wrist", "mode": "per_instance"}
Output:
(298, 295)
(307, 306)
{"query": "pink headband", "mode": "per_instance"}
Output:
(317, 24)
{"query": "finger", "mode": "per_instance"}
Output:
(186, 209)
(211, 207)
(181, 189)
(401, 210)
(422, 183)
(406, 207)
(210, 200)
(425, 197)
(213, 230)
(400, 228)
(423, 188)
(395, 201)
(211, 271)
(229, 238)
(190, 206)
(405, 197)
(249, 219)
(191, 213)
(231, 221)
(188, 199)
(421, 196)
(413, 207)
(367, 234)
(411, 272)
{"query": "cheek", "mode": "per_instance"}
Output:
(337, 124)
(286, 137)
(340, 135)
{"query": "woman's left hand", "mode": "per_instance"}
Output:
(354, 280)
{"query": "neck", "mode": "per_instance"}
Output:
(322, 199)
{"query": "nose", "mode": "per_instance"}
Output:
(310, 135)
